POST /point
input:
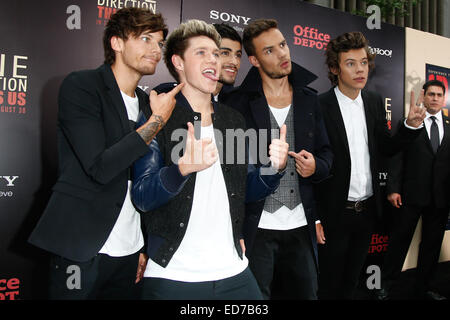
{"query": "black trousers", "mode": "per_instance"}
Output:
(434, 221)
(102, 277)
(239, 287)
(343, 255)
(284, 265)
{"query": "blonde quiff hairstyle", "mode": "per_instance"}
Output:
(178, 40)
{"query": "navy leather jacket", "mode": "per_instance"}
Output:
(165, 197)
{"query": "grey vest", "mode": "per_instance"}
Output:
(288, 193)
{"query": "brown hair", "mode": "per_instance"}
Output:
(344, 43)
(254, 29)
(130, 21)
(178, 40)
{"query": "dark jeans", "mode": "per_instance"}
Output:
(433, 228)
(102, 277)
(239, 287)
(284, 265)
(344, 253)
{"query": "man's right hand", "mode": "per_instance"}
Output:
(198, 154)
(162, 106)
(395, 199)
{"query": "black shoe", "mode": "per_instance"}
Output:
(381, 294)
(431, 295)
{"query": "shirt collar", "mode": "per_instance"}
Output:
(437, 115)
(343, 99)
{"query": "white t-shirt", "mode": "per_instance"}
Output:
(207, 251)
(126, 236)
(283, 218)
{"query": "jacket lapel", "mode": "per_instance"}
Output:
(369, 119)
(446, 138)
(115, 96)
(336, 116)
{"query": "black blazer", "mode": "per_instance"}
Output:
(332, 193)
(96, 147)
(309, 131)
(419, 175)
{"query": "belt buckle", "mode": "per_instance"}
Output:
(359, 206)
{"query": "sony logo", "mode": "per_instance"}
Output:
(228, 17)
(9, 180)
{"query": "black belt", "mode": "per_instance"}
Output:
(357, 206)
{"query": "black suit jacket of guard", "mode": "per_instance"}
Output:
(332, 193)
(420, 176)
(96, 147)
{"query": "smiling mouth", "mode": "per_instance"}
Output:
(230, 69)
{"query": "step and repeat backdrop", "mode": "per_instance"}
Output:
(41, 42)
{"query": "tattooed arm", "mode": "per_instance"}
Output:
(162, 106)
(149, 130)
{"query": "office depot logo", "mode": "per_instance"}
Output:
(9, 289)
(310, 37)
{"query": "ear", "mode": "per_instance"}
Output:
(335, 70)
(177, 62)
(116, 43)
(254, 61)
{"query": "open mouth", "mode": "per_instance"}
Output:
(210, 74)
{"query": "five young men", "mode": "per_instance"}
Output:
(313, 180)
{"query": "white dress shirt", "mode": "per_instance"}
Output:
(439, 123)
(356, 129)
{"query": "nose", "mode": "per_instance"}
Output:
(212, 58)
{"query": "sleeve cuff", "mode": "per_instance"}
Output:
(172, 179)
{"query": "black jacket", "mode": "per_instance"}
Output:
(420, 176)
(165, 197)
(332, 193)
(96, 147)
(310, 135)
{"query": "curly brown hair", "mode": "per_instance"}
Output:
(344, 43)
(130, 21)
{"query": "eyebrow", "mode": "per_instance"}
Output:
(351, 59)
(229, 49)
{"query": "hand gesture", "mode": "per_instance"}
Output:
(278, 150)
(162, 104)
(416, 111)
(305, 163)
(198, 155)
(395, 199)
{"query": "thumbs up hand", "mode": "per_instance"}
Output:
(198, 155)
(278, 150)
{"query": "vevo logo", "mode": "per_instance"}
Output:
(228, 17)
